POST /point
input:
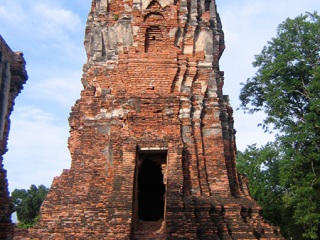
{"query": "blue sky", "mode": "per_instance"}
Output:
(50, 34)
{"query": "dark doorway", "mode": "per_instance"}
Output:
(151, 190)
(153, 38)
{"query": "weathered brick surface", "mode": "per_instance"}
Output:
(12, 77)
(152, 89)
(20, 233)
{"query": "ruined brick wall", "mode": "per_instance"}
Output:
(12, 77)
(152, 96)
(20, 233)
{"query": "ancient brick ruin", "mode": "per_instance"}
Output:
(152, 138)
(12, 77)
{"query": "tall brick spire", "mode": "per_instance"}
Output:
(152, 138)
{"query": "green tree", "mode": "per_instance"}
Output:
(27, 204)
(261, 166)
(287, 88)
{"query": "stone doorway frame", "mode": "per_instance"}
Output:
(143, 153)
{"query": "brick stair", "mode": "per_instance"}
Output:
(149, 230)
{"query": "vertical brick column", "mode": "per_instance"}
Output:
(12, 77)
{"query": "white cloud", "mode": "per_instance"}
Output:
(34, 127)
(37, 148)
(3, 12)
(39, 16)
(26, 114)
(9, 16)
(51, 38)
(63, 90)
(37, 26)
(251, 9)
(56, 18)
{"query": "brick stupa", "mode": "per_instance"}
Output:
(152, 137)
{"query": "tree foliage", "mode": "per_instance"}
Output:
(261, 166)
(27, 204)
(287, 88)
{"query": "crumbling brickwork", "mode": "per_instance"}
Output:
(152, 139)
(12, 77)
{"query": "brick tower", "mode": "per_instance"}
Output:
(13, 76)
(152, 138)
